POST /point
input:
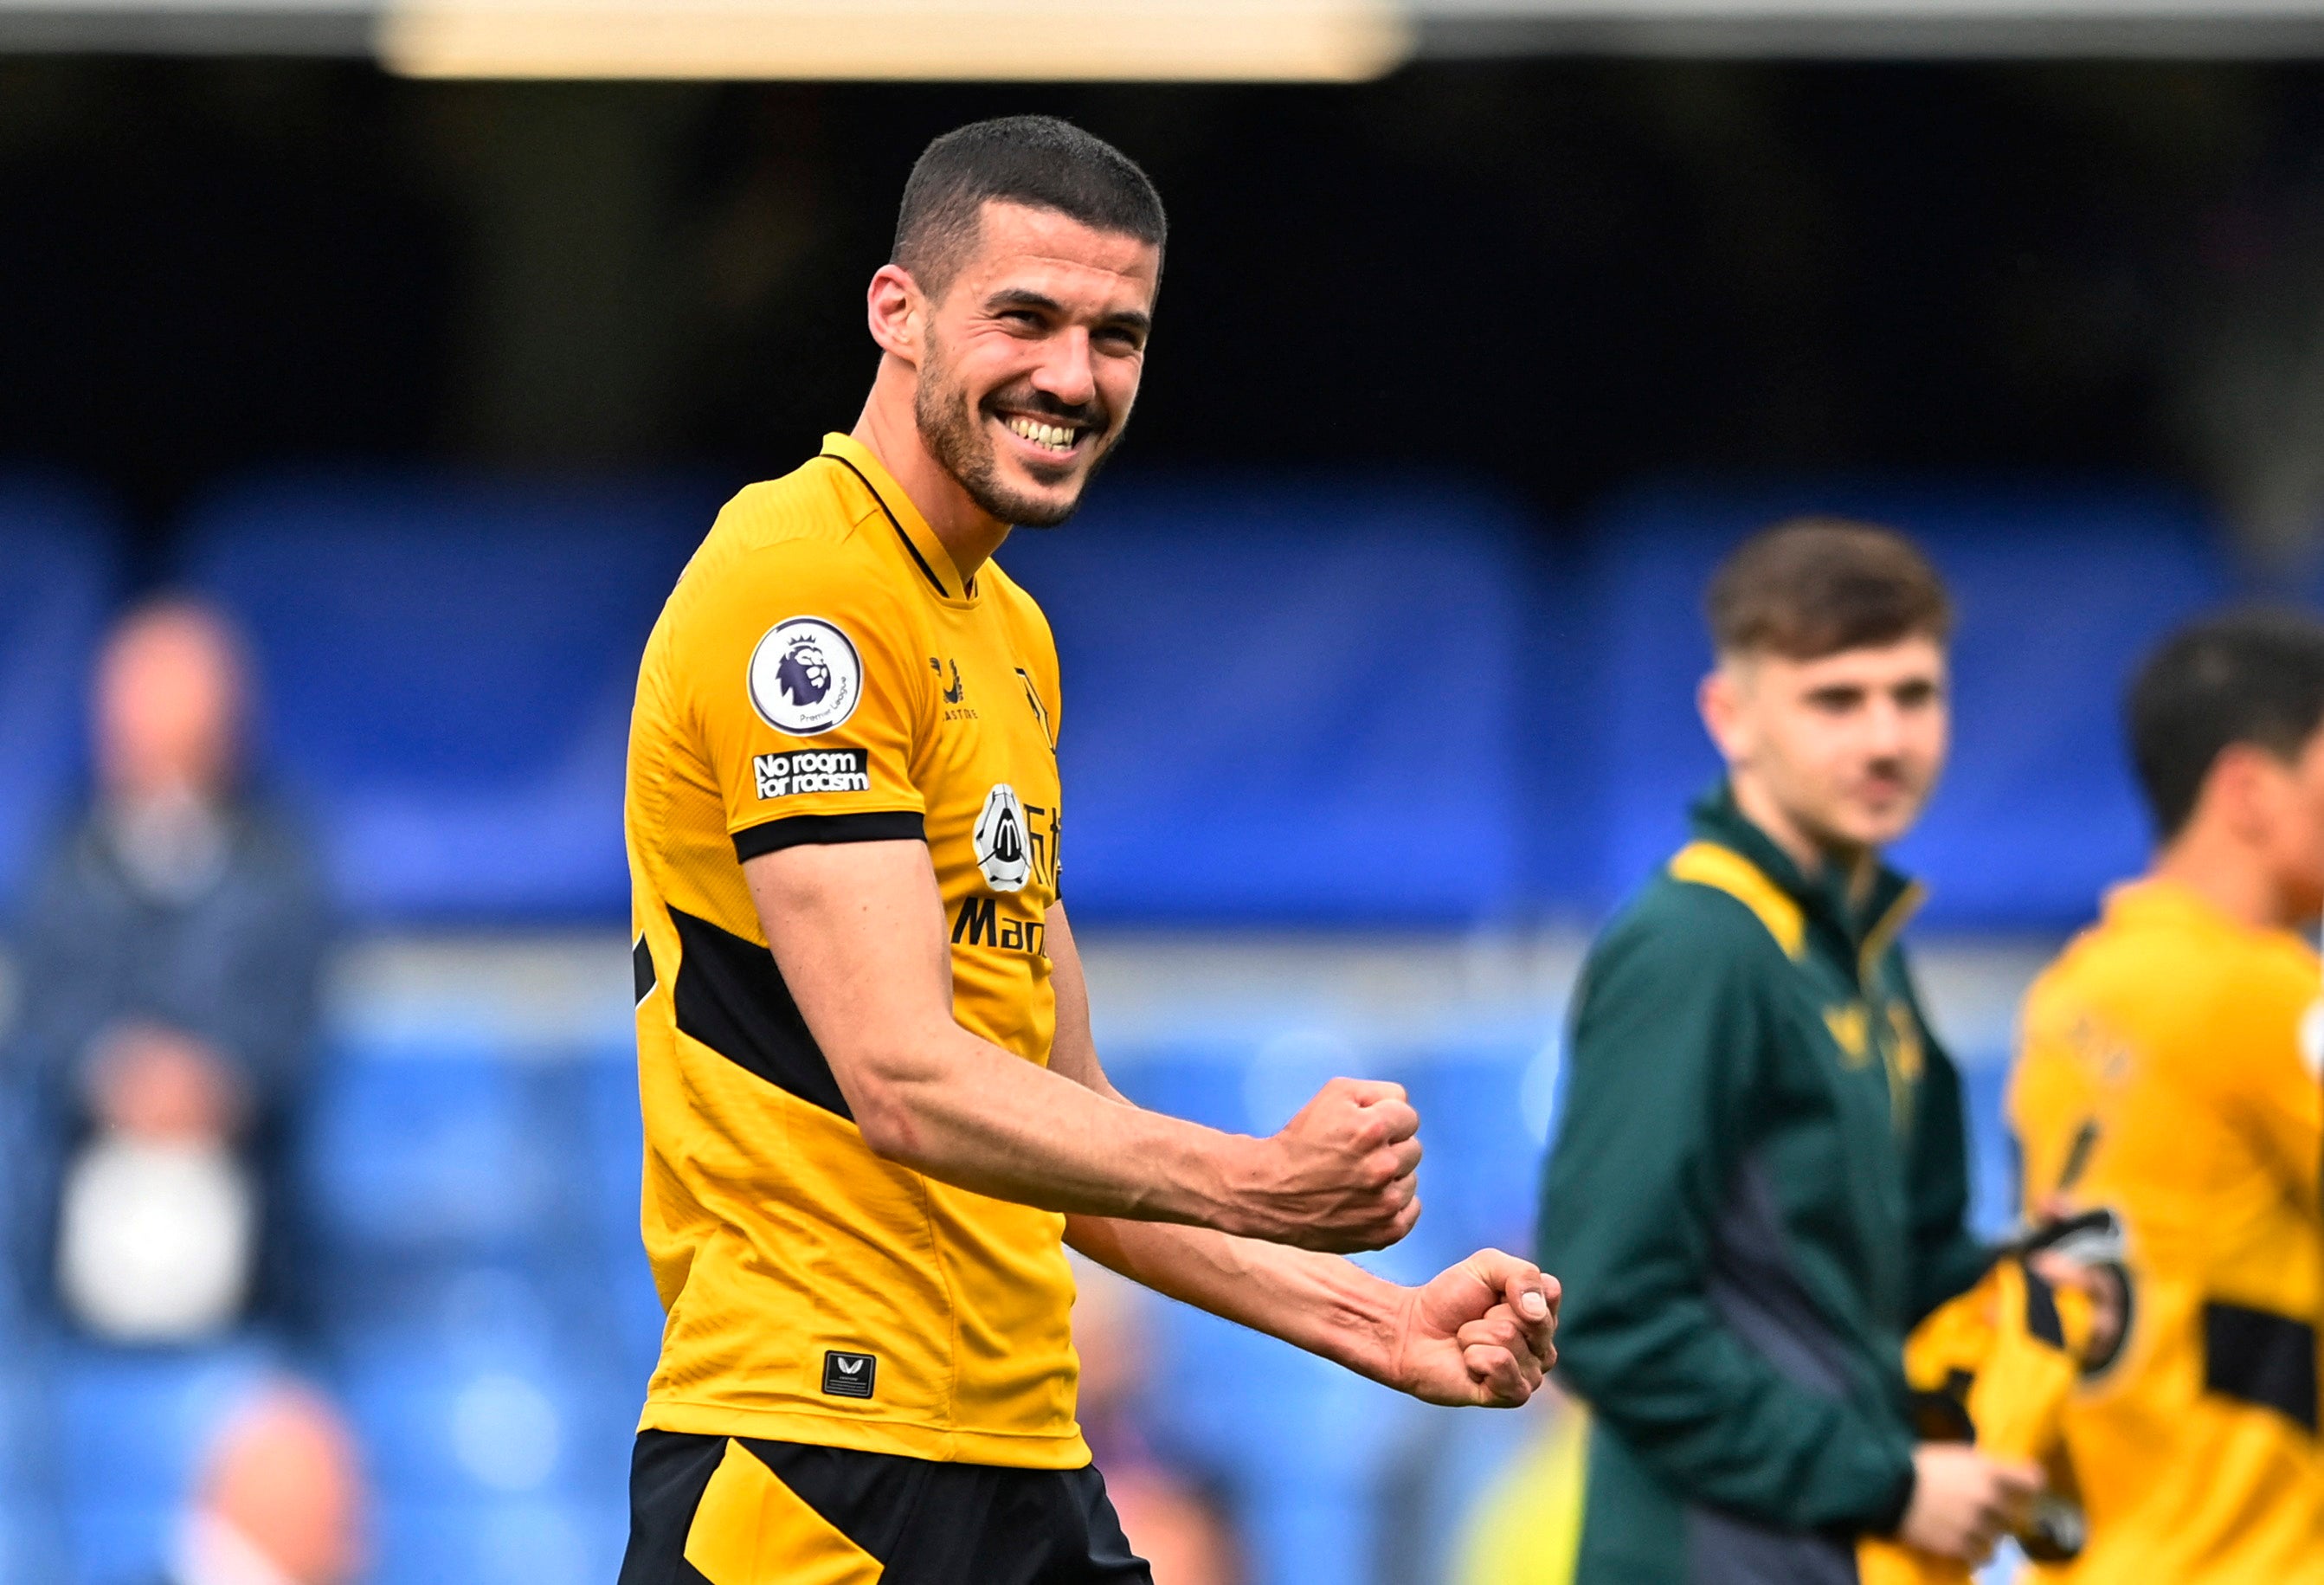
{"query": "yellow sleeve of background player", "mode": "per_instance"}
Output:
(2265, 1067)
(2054, 1098)
(804, 680)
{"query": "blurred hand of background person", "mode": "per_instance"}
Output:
(1963, 1501)
(171, 954)
(158, 1226)
(2102, 1284)
(150, 1081)
(281, 1499)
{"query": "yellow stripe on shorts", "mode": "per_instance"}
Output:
(750, 1529)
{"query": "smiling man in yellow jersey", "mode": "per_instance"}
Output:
(874, 1114)
(2169, 1070)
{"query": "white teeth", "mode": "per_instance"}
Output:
(1053, 435)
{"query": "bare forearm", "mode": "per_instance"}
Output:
(857, 932)
(1325, 1303)
(971, 1114)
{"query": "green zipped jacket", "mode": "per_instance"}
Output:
(1760, 1184)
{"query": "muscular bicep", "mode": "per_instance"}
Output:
(857, 929)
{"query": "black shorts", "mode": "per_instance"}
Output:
(735, 1511)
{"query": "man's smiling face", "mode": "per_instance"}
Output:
(1848, 746)
(1031, 357)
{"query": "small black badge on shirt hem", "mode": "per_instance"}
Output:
(849, 1376)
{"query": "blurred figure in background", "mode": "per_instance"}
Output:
(1175, 1516)
(2169, 1072)
(281, 1499)
(1760, 1182)
(170, 961)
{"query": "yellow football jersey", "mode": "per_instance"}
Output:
(2006, 1354)
(823, 674)
(2166, 1072)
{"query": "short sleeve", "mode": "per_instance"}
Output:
(803, 679)
(2265, 1058)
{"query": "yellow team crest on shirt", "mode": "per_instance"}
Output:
(1852, 1028)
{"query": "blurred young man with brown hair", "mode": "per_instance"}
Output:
(1760, 1180)
(2170, 1072)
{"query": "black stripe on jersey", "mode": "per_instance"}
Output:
(926, 571)
(2042, 1318)
(2261, 1358)
(792, 831)
(641, 970)
(730, 996)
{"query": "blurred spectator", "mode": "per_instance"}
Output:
(281, 1499)
(170, 961)
(1760, 1180)
(1175, 1518)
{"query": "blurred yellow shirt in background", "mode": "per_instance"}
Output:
(1526, 1528)
(2168, 1070)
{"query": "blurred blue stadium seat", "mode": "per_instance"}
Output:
(1289, 701)
(1303, 1444)
(1993, 1151)
(132, 1426)
(2059, 590)
(32, 1549)
(30, 1537)
(448, 667)
(1198, 1082)
(495, 1432)
(58, 568)
(507, 1541)
(1478, 1178)
(615, 1165)
(477, 1303)
(434, 1152)
(472, 1417)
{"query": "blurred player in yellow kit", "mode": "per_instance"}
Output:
(2170, 1072)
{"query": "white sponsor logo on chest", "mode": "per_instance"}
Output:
(1002, 850)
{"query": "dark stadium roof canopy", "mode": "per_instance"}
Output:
(1130, 39)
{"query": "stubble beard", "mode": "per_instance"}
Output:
(949, 428)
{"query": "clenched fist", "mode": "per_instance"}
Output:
(1482, 1333)
(1340, 1175)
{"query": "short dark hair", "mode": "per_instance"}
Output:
(1814, 587)
(2249, 676)
(1038, 160)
